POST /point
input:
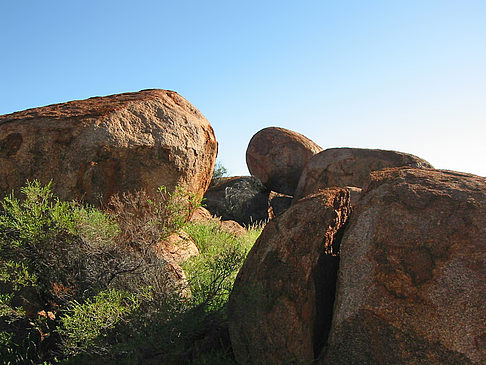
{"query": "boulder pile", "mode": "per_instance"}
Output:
(368, 256)
(380, 259)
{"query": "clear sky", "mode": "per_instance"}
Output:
(407, 75)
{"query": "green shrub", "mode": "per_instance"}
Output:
(101, 291)
(147, 219)
(219, 171)
(86, 322)
(211, 274)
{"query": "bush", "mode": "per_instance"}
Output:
(84, 324)
(219, 171)
(145, 220)
(82, 285)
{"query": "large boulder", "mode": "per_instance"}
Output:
(277, 156)
(281, 304)
(412, 272)
(349, 167)
(94, 148)
(240, 198)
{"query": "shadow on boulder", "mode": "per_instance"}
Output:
(243, 199)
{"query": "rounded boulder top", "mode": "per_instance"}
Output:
(94, 148)
(277, 157)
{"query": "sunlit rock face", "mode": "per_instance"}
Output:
(412, 272)
(277, 156)
(349, 167)
(94, 148)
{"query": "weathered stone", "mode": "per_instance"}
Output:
(281, 305)
(94, 148)
(277, 156)
(241, 198)
(354, 194)
(233, 227)
(201, 214)
(349, 167)
(278, 203)
(412, 272)
(179, 246)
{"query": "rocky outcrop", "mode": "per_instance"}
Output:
(349, 167)
(281, 305)
(277, 156)
(412, 272)
(94, 148)
(240, 198)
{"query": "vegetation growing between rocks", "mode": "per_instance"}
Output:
(219, 171)
(82, 285)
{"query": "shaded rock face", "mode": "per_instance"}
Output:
(412, 276)
(277, 156)
(349, 167)
(94, 148)
(280, 309)
(278, 203)
(354, 194)
(240, 198)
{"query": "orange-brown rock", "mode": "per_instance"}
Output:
(281, 305)
(178, 246)
(277, 156)
(412, 272)
(94, 148)
(201, 214)
(349, 167)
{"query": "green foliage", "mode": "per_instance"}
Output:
(101, 291)
(96, 227)
(219, 171)
(16, 274)
(35, 219)
(145, 219)
(211, 274)
(86, 322)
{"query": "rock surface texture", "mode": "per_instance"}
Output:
(412, 272)
(278, 203)
(273, 316)
(277, 157)
(94, 148)
(349, 167)
(240, 198)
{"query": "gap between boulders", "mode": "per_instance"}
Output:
(325, 280)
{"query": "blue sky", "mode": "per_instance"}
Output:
(402, 75)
